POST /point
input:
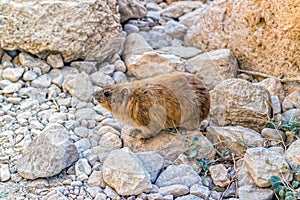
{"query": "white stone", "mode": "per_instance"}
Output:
(55, 61)
(13, 74)
(4, 172)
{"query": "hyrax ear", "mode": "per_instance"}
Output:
(124, 93)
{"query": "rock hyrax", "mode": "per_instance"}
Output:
(167, 101)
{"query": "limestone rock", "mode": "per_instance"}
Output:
(182, 174)
(85, 66)
(214, 67)
(13, 74)
(200, 191)
(273, 86)
(110, 141)
(276, 104)
(4, 172)
(43, 81)
(260, 40)
(170, 146)
(219, 175)
(131, 9)
(100, 79)
(135, 44)
(151, 64)
(263, 163)
(31, 62)
(249, 192)
(175, 190)
(85, 29)
(189, 197)
(48, 154)
(157, 37)
(243, 175)
(11, 88)
(175, 29)
(79, 85)
(55, 61)
(288, 115)
(180, 51)
(177, 9)
(291, 101)
(153, 163)
(292, 153)
(123, 171)
(273, 134)
(238, 102)
(234, 138)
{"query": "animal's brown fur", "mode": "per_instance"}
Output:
(172, 100)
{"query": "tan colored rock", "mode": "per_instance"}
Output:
(274, 86)
(234, 138)
(243, 175)
(239, 102)
(181, 51)
(78, 29)
(124, 172)
(177, 9)
(263, 35)
(152, 64)
(171, 146)
(263, 163)
(249, 192)
(214, 67)
(291, 101)
(130, 9)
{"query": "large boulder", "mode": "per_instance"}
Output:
(75, 29)
(263, 35)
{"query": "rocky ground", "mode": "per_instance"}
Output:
(55, 143)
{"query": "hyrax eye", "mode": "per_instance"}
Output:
(107, 93)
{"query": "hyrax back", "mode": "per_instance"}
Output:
(171, 100)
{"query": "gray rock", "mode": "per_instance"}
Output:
(83, 144)
(200, 191)
(111, 193)
(131, 9)
(189, 19)
(123, 171)
(85, 114)
(119, 77)
(171, 146)
(155, 196)
(55, 61)
(82, 169)
(29, 76)
(263, 163)
(295, 112)
(100, 79)
(107, 129)
(234, 138)
(292, 153)
(175, 190)
(130, 28)
(243, 175)
(219, 175)
(273, 134)
(180, 51)
(157, 37)
(4, 172)
(189, 197)
(238, 102)
(276, 104)
(249, 192)
(43, 81)
(120, 66)
(48, 154)
(96, 179)
(94, 41)
(110, 141)
(153, 163)
(93, 191)
(31, 62)
(55, 195)
(175, 29)
(79, 85)
(135, 44)
(85, 66)
(182, 174)
(177, 9)
(13, 74)
(11, 88)
(214, 66)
